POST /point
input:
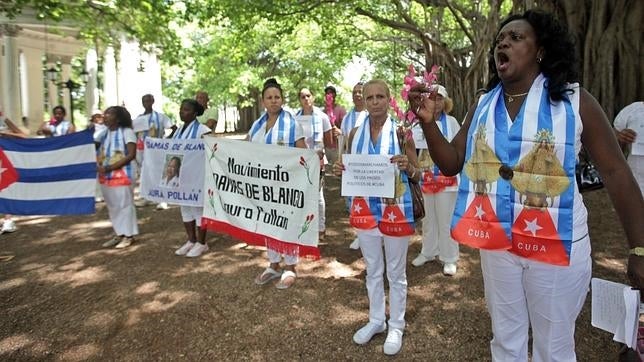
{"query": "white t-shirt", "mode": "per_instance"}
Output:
(314, 126)
(154, 120)
(210, 113)
(632, 116)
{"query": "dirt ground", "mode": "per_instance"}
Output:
(63, 297)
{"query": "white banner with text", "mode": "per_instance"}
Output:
(264, 195)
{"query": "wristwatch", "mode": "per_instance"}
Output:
(639, 251)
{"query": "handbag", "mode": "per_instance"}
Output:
(417, 199)
(587, 176)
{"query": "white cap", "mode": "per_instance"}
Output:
(441, 90)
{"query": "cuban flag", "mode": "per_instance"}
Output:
(48, 176)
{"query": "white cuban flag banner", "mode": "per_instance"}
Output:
(173, 171)
(265, 195)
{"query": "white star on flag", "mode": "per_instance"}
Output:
(391, 216)
(2, 170)
(532, 226)
(357, 208)
(479, 212)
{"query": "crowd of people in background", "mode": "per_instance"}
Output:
(496, 154)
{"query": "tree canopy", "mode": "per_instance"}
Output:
(229, 47)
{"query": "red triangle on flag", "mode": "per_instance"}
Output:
(429, 185)
(8, 173)
(394, 222)
(360, 217)
(534, 236)
(480, 228)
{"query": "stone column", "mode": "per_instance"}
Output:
(91, 89)
(109, 78)
(66, 72)
(52, 88)
(10, 81)
(33, 99)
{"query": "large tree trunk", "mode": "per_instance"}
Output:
(609, 41)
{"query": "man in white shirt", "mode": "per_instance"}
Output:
(629, 124)
(209, 116)
(149, 124)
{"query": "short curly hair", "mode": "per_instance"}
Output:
(559, 63)
(123, 117)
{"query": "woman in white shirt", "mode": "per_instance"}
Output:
(279, 127)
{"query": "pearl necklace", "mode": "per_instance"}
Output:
(512, 96)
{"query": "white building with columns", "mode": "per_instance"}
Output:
(30, 47)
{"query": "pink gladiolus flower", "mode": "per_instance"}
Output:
(328, 102)
(410, 116)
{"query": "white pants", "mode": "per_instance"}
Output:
(120, 207)
(276, 257)
(395, 257)
(322, 207)
(439, 209)
(521, 293)
(191, 213)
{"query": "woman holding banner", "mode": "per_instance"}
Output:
(381, 221)
(277, 126)
(117, 149)
(517, 199)
(191, 215)
(57, 125)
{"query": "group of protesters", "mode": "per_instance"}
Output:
(500, 182)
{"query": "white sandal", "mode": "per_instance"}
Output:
(287, 274)
(267, 275)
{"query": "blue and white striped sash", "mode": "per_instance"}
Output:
(511, 141)
(189, 132)
(111, 143)
(282, 132)
(387, 144)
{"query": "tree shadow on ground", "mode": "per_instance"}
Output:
(65, 298)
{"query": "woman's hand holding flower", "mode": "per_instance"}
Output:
(422, 102)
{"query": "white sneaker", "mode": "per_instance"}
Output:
(185, 248)
(125, 242)
(197, 250)
(355, 244)
(364, 334)
(113, 241)
(421, 260)
(393, 343)
(449, 269)
(162, 206)
(8, 226)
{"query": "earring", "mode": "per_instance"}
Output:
(539, 60)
